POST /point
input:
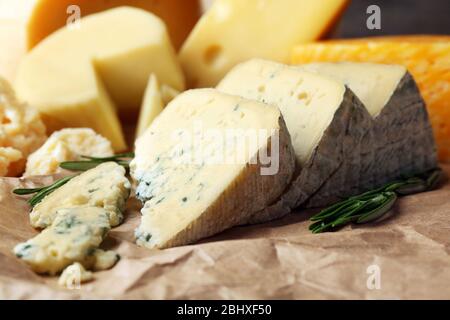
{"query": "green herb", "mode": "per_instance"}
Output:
(41, 193)
(372, 205)
(92, 162)
(83, 165)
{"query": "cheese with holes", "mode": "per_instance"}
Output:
(427, 58)
(47, 16)
(21, 131)
(232, 31)
(342, 147)
(77, 77)
(73, 236)
(151, 106)
(104, 186)
(67, 145)
(204, 165)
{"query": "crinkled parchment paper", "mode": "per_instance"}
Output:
(409, 254)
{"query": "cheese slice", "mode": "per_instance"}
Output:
(427, 58)
(341, 147)
(104, 186)
(66, 145)
(233, 31)
(151, 106)
(73, 237)
(78, 76)
(200, 166)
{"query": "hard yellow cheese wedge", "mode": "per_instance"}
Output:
(76, 77)
(233, 31)
(48, 16)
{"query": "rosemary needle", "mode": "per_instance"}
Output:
(374, 204)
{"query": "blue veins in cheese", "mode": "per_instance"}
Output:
(104, 186)
(194, 177)
(74, 236)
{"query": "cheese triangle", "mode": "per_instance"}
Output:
(151, 106)
(194, 175)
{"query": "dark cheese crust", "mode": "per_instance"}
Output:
(399, 142)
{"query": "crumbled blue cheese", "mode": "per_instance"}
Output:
(105, 186)
(74, 236)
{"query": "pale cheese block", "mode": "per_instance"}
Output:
(152, 105)
(104, 186)
(77, 77)
(233, 31)
(73, 236)
(353, 150)
(324, 119)
(67, 145)
(199, 171)
(47, 16)
(401, 140)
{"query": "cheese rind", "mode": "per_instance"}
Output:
(351, 151)
(196, 188)
(400, 141)
(104, 186)
(78, 77)
(66, 145)
(232, 31)
(427, 58)
(73, 236)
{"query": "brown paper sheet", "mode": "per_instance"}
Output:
(280, 260)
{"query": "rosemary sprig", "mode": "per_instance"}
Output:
(41, 193)
(83, 165)
(372, 205)
(92, 162)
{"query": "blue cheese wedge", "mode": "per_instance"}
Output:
(198, 174)
(343, 147)
(104, 186)
(74, 236)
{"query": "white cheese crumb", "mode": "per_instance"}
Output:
(67, 145)
(74, 275)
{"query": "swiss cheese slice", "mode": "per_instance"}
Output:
(104, 186)
(199, 174)
(427, 58)
(233, 31)
(342, 147)
(77, 76)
